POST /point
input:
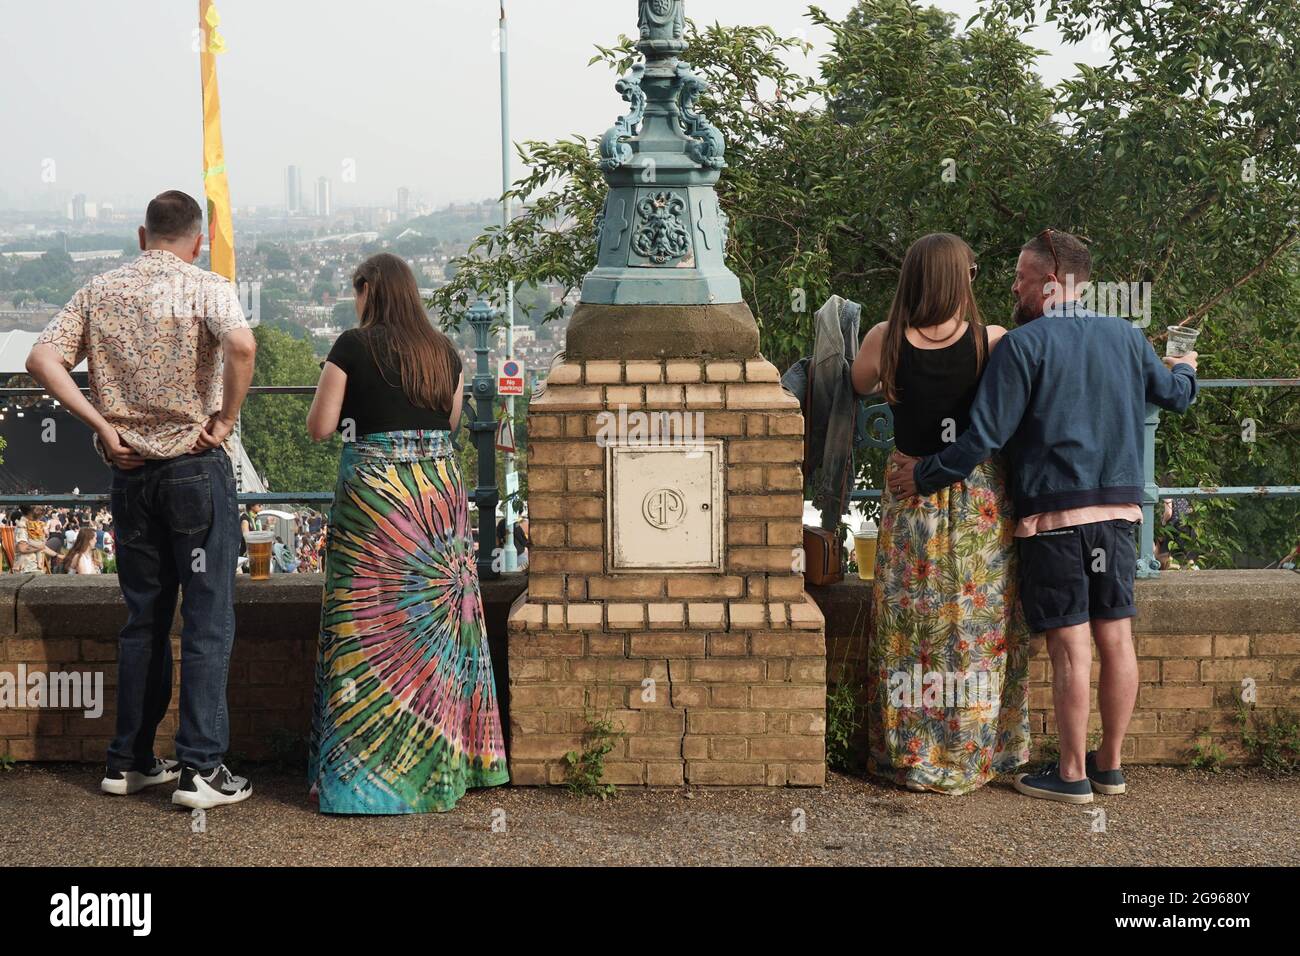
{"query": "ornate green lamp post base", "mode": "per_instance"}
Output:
(661, 287)
(662, 244)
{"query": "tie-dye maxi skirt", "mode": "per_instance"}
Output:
(405, 717)
(948, 658)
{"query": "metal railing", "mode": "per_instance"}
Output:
(1153, 494)
(480, 393)
(876, 429)
(305, 497)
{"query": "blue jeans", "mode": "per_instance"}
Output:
(175, 527)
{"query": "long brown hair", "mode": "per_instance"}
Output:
(397, 331)
(933, 286)
(85, 541)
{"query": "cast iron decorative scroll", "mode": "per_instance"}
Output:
(661, 234)
(707, 147)
(615, 153)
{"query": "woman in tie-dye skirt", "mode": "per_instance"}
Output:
(405, 717)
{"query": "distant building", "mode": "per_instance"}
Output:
(403, 204)
(77, 208)
(293, 190)
(311, 315)
(374, 217)
(324, 197)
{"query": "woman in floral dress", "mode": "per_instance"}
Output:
(947, 696)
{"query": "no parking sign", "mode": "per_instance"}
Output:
(510, 377)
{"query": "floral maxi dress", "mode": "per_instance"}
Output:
(948, 657)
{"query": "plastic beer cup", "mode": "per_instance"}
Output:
(864, 547)
(259, 554)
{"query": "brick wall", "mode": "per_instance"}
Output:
(70, 623)
(1198, 635)
(712, 677)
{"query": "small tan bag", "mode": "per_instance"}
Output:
(821, 550)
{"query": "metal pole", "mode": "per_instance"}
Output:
(1148, 566)
(509, 557)
(483, 427)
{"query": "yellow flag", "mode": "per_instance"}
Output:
(221, 229)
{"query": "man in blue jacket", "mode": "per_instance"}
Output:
(1065, 396)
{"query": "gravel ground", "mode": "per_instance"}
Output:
(55, 815)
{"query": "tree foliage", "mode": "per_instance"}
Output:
(1177, 160)
(274, 427)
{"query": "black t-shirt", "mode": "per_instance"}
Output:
(374, 399)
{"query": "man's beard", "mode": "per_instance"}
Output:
(1022, 314)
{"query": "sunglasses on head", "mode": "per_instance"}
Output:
(1046, 234)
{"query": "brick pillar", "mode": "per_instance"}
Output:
(716, 677)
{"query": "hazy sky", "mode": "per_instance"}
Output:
(406, 89)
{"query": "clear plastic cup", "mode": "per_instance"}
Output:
(1182, 339)
(864, 546)
(259, 554)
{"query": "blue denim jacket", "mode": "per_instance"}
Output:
(1066, 397)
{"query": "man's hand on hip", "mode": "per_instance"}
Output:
(215, 431)
(121, 454)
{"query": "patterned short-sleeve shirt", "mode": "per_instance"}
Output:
(150, 333)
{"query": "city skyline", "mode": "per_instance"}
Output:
(435, 133)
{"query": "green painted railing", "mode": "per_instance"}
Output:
(479, 419)
(877, 431)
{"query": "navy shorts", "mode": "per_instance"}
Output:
(1072, 575)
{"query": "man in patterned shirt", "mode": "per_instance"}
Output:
(170, 357)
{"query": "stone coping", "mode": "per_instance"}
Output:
(1176, 602)
(92, 604)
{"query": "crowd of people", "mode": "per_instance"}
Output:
(307, 553)
(39, 539)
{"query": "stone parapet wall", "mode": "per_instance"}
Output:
(1199, 635)
(69, 624)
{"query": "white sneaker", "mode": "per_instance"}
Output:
(121, 782)
(214, 789)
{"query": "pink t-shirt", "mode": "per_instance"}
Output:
(1053, 520)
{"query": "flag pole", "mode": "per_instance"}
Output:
(216, 188)
(509, 557)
